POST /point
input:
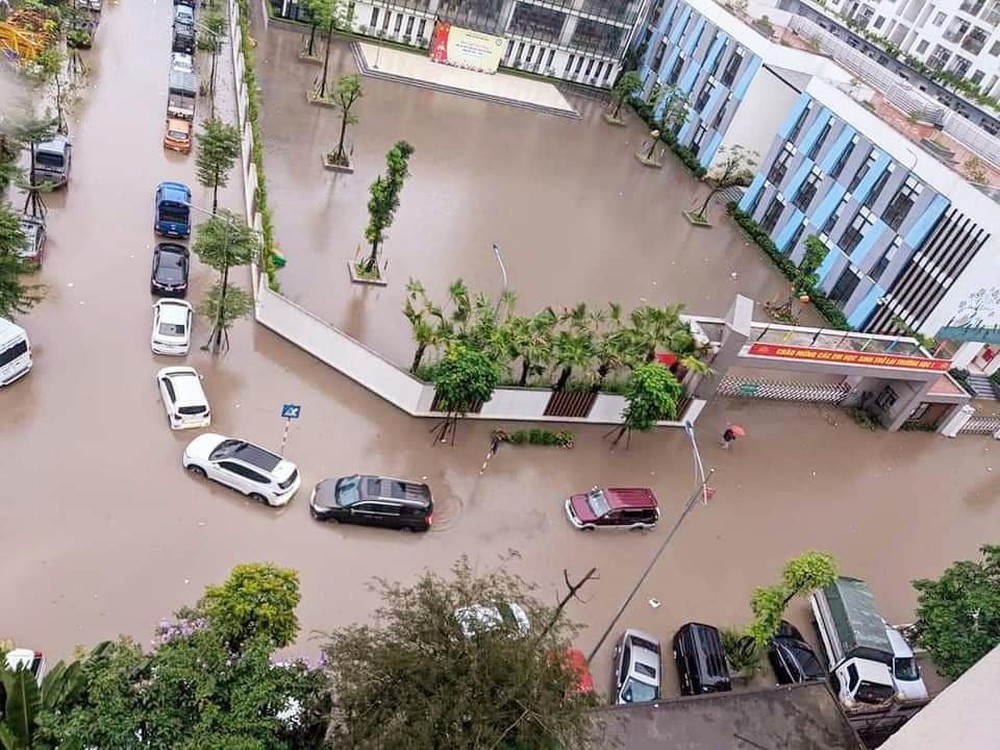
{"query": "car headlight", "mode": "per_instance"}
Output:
(901, 696)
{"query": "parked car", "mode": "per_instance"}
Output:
(373, 501)
(613, 508)
(172, 321)
(637, 669)
(184, 39)
(486, 618)
(256, 472)
(26, 658)
(184, 14)
(54, 160)
(576, 661)
(905, 670)
(177, 135)
(181, 62)
(34, 238)
(792, 658)
(169, 276)
(701, 660)
(183, 398)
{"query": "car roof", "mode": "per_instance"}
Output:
(900, 648)
(392, 488)
(642, 655)
(171, 248)
(630, 497)
(176, 123)
(176, 191)
(186, 383)
(173, 311)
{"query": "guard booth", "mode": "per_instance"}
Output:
(893, 378)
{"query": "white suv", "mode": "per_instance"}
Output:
(172, 320)
(183, 398)
(247, 468)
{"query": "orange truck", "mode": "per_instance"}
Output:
(178, 135)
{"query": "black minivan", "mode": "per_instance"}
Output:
(373, 501)
(701, 660)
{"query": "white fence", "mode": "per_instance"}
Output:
(363, 365)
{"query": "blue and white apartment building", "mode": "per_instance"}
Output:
(909, 239)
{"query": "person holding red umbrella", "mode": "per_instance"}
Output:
(732, 432)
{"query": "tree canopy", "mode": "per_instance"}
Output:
(464, 376)
(801, 574)
(218, 149)
(958, 614)
(384, 200)
(16, 296)
(415, 678)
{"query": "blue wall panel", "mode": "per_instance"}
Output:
(708, 152)
(748, 74)
(867, 243)
(838, 148)
(793, 115)
(751, 192)
(824, 268)
(798, 178)
(694, 36)
(715, 50)
(918, 233)
(786, 232)
(690, 76)
(865, 186)
(865, 307)
(828, 205)
(812, 135)
(675, 32)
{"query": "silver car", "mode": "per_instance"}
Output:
(637, 669)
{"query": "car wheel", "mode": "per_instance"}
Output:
(406, 529)
(587, 528)
(196, 470)
(257, 497)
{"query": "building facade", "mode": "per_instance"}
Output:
(954, 36)
(581, 41)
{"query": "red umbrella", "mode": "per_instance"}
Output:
(737, 430)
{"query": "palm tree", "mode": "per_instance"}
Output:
(572, 350)
(530, 339)
(427, 322)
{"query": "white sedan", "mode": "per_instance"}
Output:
(181, 62)
(484, 618)
(172, 321)
(256, 472)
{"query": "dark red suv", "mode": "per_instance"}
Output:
(613, 507)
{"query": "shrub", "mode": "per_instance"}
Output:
(644, 110)
(742, 652)
(536, 436)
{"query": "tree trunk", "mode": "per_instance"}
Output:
(372, 259)
(215, 192)
(343, 134)
(312, 39)
(704, 206)
(326, 62)
(215, 342)
(602, 372)
(618, 108)
(211, 85)
(564, 378)
(417, 356)
(525, 369)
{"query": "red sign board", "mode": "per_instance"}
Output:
(869, 359)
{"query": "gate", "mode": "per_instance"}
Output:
(826, 393)
(980, 426)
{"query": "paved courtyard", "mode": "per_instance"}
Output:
(577, 218)
(105, 533)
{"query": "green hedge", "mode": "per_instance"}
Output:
(834, 315)
(682, 152)
(257, 152)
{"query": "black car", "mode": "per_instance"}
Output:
(184, 39)
(373, 501)
(701, 660)
(792, 658)
(169, 277)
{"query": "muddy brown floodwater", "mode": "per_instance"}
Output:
(104, 532)
(576, 217)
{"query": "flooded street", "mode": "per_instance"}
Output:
(105, 533)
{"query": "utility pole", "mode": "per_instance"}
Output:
(700, 491)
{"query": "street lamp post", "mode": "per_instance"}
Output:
(503, 272)
(699, 491)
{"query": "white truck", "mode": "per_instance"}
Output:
(858, 651)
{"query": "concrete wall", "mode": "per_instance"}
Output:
(764, 108)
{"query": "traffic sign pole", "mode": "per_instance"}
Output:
(288, 412)
(284, 437)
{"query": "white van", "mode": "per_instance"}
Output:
(183, 398)
(15, 352)
(905, 671)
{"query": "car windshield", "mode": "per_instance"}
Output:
(639, 692)
(906, 669)
(808, 662)
(226, 448)
(49, 159)
(174, 213)
(348, 490)
(171, 329)
(177, 135)
(598, 502)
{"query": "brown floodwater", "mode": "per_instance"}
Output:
(104, 533)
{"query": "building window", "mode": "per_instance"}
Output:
(939, 58)
(409, 26)
(732, 66)
(977, 78)
(863, 170)
(703, 96)
(770, 218)
(838, 166)
(808, 190)
(590, 67)
(569, 63)
(552, 56)
(797, 128)
(718, 57)
(675, 71)
(899, 207)
(780, 167)
(794, 239)
(717, 120)
(822, 138)
(878, 22)
(856, 231)
(579, 64)
(922, 47)
(886, 258)
(844, 287)
(661, 50)
(423, 26)
(607, 72)
(830, 223)
(995, 49)
(374, 19)
(698, 137)
(878, 187)
(940, 18)
(597, 72)
(399, 24)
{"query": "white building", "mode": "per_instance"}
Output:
(955, 36)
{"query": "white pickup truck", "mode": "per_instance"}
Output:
(858, 652)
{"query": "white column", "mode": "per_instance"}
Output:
(965, 354)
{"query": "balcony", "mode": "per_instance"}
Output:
(955, 34)
(975, 41)
(972, 7)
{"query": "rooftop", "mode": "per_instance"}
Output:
(800, 717)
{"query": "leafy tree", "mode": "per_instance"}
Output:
(385, 200)
(210, 36)
(530, 339)
(219, 146)
(224, 307)
(975, 170)
(675, 108)
(22, 715)
(414, 678)
(465, 376)
(427, 322)
(735, 166)
(31, 131)
(651, 396)
(16, 297)
(345, 95)
(222, 242)
(626, 86)
(804, 280)
(256, 600)
(571, 349)
(958, 614)
(331, 15)
(801, 574)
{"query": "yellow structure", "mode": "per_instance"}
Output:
(23, 45)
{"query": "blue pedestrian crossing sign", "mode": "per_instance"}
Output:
(291, 411)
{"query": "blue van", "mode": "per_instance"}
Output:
(172, 210)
